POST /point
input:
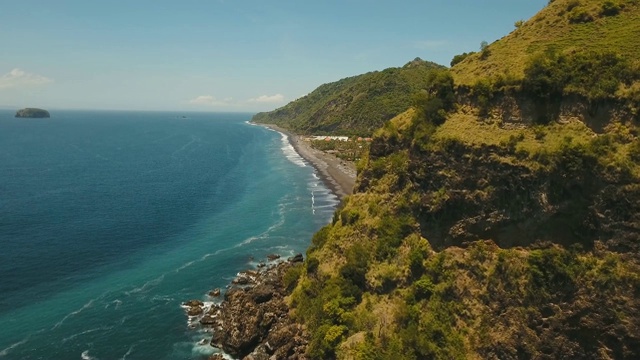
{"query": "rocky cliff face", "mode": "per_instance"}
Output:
(468, 193)
(465, 246)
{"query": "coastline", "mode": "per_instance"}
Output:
(338, 175)
(251, 319)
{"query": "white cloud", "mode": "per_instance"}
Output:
(277, 98)
(210, 100)
(19, 78)
(429, 44)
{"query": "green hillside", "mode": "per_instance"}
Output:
(499, 218)
(353, 106)
(563, 25)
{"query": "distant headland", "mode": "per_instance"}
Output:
(32, 113)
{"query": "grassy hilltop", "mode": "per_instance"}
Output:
(575, 25)
(499, 216)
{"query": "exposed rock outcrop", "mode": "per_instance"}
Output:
(253, 320)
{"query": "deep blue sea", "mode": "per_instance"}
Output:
(109, 220)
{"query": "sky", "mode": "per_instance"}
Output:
(224, 55)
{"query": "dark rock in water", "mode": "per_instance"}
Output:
(216, 357)
(195, 310)
(297, 258)
(240, 280)
(32, 113)
(215, 292)
(208, 320)
(193, 303)
(273, 257)
(261, 265)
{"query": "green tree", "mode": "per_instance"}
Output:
(434, 102)
(458, 58)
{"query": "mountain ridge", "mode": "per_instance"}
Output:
(354, 105)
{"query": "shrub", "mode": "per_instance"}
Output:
(423, 288)
(312, 265)
(634, 150)
(539, 132)
(416, 262)
(292, 276)
(320, 238)
(579, 15)
(513, 142)
(458, 58)
(551, 270)
(324, 341)
(391, 231)
(437, 99)
(484, 50)
(572, 4)
(610, 8)
(482, 90)
(594, 75)
(355, 269)
(349, 216)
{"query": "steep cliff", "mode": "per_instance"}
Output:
(497, 219)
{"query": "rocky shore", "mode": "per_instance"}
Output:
(252, 322)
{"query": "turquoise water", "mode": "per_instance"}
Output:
(109, 220)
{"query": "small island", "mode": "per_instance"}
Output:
(32, 113)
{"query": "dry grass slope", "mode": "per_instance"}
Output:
(552, 27)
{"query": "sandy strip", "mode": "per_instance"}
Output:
(338, 175)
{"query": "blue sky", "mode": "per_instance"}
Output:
(224, 55)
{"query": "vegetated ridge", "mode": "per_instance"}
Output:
(355, 105)
(499, 217)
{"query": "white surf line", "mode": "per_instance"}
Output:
(193, 140)
(85, 306)
(118, 302)
(85, 356)
(6, 351)
(86, 332)
(76, 147)
(146, 286)
(244, 242)
(124, 357)
(290, 151)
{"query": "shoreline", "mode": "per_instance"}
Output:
(252, 320)
(338, 175)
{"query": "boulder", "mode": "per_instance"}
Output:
(262, 293)
(273, 257)
(193, 303)
(208, 320)
(194, 311)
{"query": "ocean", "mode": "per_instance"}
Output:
(110, 220)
